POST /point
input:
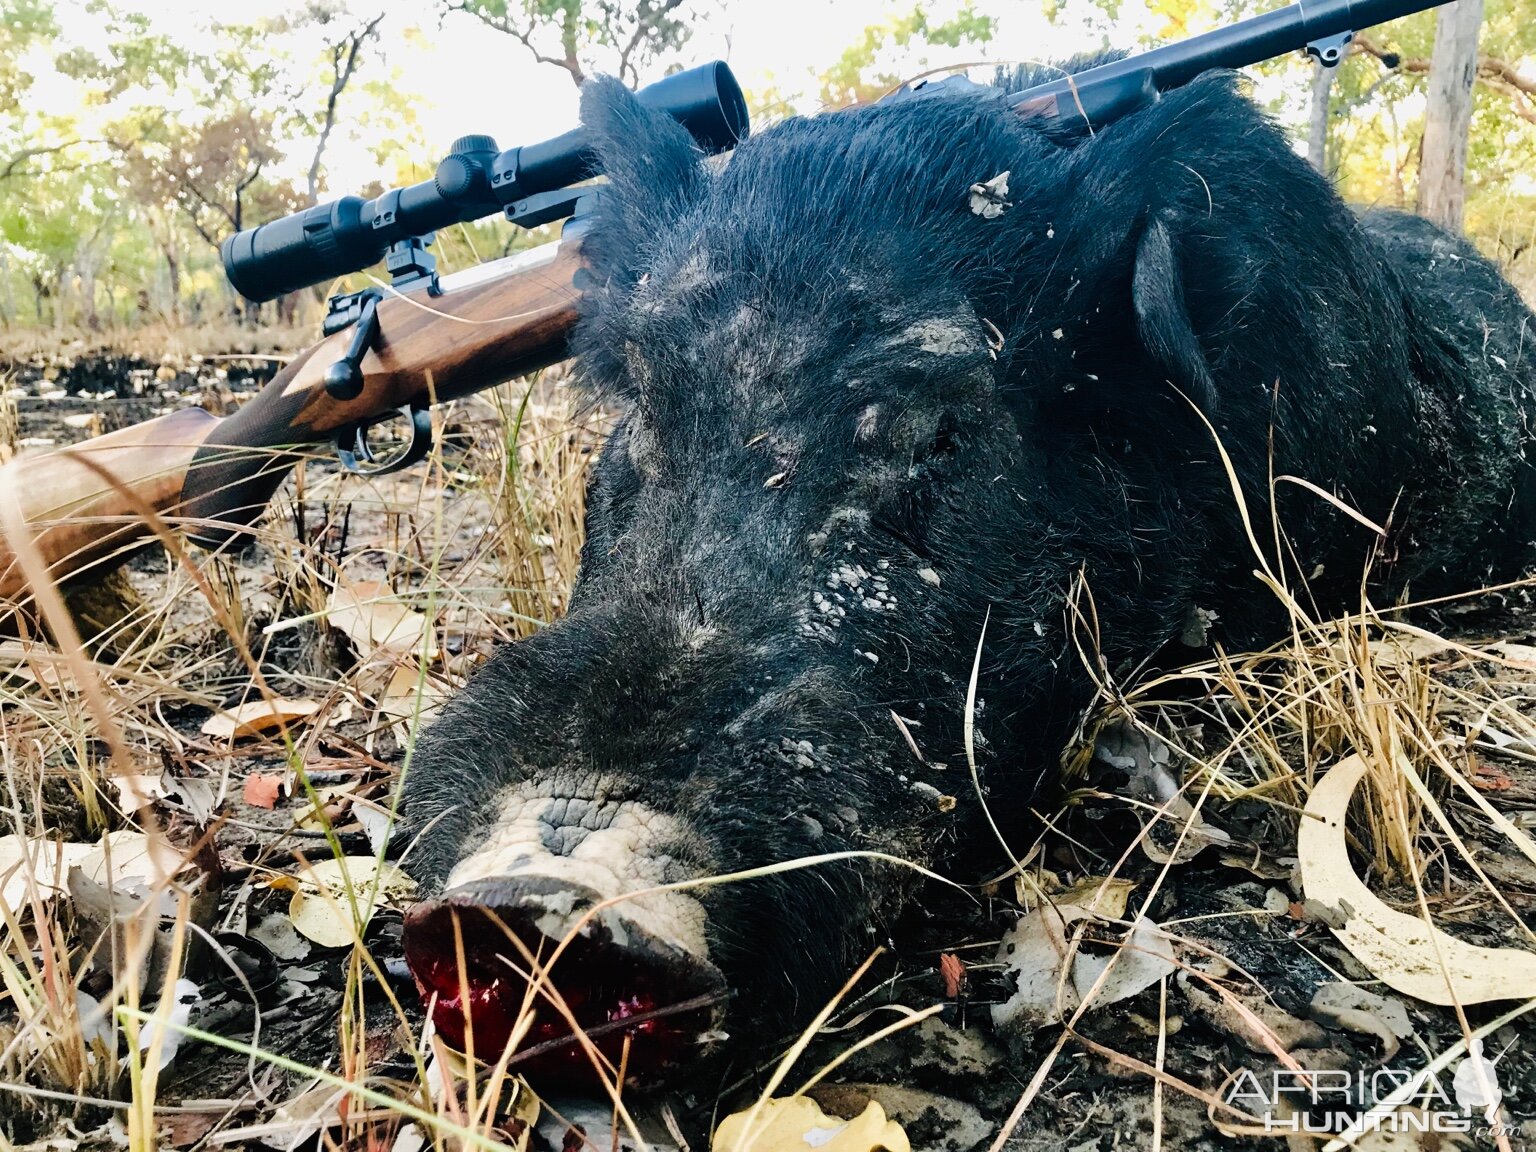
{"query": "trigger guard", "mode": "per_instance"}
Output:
(357, 456)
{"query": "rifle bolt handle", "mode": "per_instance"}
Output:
(344, 380)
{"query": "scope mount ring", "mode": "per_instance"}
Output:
(1329, 50)
(357, 455)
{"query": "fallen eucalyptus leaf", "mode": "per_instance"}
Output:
(1359, 1010)
(1035, 951)
(401, 702)
(1402, 951)
(257, 716)
(139, 790)
(29, 864)
(1182, 832)
(263, 789)
(276, 933)
(374, 618)
(168, 1030)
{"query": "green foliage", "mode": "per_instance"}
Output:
(23, 23)
(581, 35)
(862, 73)
(170, 133)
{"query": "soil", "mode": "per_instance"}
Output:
(953, 1080)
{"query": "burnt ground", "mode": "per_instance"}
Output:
(952, 1080)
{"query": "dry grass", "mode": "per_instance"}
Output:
(156, 343)
(471, 541)
(484, 542)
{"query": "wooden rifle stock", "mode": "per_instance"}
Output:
(84, 505)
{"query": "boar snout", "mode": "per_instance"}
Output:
(553, 870)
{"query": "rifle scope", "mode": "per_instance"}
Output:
(475, 179)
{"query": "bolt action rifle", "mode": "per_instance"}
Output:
(388, 355)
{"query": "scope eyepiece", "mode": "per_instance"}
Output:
(473, 181)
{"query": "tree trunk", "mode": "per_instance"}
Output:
(10, 289)
(173, 267)
(1317, 129)
(1448, 114)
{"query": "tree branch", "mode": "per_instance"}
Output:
(1493, 73)
(341, 74)
(13, 165)
(569, 63)
(645, 21)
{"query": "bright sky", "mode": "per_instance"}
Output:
(469, 78)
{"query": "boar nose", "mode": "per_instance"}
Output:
(573, 873)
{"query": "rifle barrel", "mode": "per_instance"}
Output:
(1108, 90)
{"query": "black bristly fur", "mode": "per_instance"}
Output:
(827, 474)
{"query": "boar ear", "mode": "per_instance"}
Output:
(654, 169)
(1162, 313)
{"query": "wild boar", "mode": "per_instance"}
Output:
(867, 412)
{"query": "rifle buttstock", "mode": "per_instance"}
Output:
(84, 505)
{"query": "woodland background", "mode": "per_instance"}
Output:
(128, 153)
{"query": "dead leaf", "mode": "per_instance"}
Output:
(1252, 1020)
(313, 1109)
(139, 790)
(374, 618)
(1104, 896)
(1036, 951)
(1182, 832)
(257, 716)
(167, 1030)
(262, 789)
(197, 795)
(132, 860)
(961, 1123)
(1144, 959)
(321, 909)
(1402, 951)
(1522, 655)
(329, 805)
(989, 198)
(277, 935)
(35, 864)
(1197, 626)
(1358, 1010)
(402, 703)
(797, 1123)
(377, 824)
(1488, 777)
(953, 970)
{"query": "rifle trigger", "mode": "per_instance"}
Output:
(358, 455)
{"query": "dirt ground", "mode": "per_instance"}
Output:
(1150, 1070)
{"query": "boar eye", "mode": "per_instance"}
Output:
(941, 442)
(905, 513)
